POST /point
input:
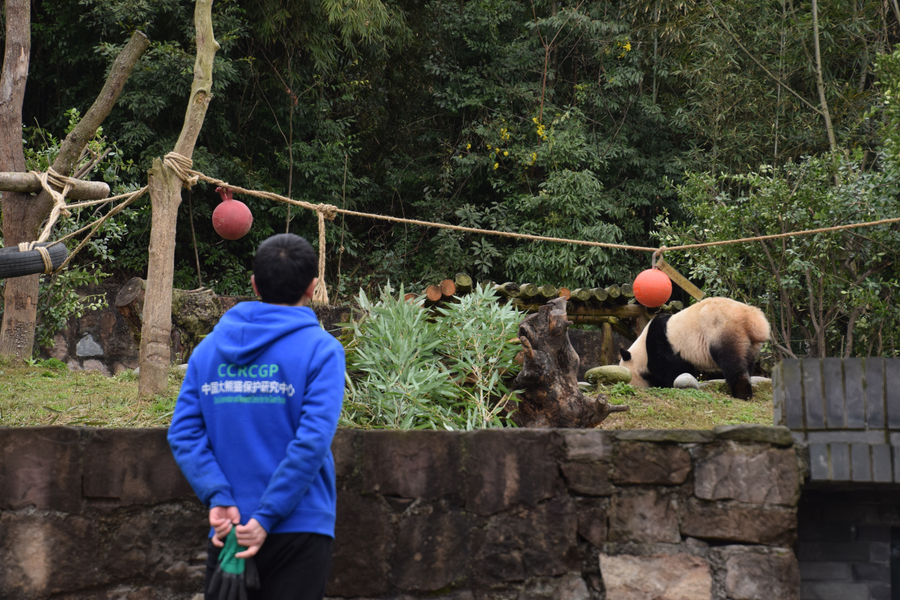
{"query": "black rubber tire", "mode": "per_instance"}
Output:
(16, 264)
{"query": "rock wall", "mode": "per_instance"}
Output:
(486, 515)
(848, 542)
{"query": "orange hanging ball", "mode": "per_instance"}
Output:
(652, 288)
(231, 219)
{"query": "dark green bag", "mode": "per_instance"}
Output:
(233, 576)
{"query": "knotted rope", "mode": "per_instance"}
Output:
(182, 166)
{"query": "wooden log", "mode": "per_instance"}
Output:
(448, 288)
(615, 294)
(30, 183)
(410, 297)
(625, 311)
(528, 291)
(507, 290)
(581, 295)
(548, 292)
(627, 290)
(550, 396)
(599, 295)
(564, 292)
(433, 293)
(463, 283)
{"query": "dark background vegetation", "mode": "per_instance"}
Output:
(632, 121)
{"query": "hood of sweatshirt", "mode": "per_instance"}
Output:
(250, 327)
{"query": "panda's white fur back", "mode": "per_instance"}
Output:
(692, 331)
(695, 329)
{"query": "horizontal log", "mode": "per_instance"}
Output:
(507, 290)
(433, 293)
(463, 283)
(448, 288)
(29, 183)
(528, 291)
(624, 311)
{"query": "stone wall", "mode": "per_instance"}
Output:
(486, 515)
(846, 547)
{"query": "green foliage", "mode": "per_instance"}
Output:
(59, 298)
(410, 370)
(828, 294)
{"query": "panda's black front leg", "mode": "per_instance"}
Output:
(736, 370)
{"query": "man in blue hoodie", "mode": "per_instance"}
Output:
(254, 421)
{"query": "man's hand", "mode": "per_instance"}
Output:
(251, 536)
(221, 519)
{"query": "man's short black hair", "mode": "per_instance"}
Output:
(284, 266)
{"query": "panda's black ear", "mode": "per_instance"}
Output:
(626, 355)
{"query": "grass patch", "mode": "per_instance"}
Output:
(47, 393)
(659, 408)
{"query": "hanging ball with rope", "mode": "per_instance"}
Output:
(652, 288)
(231, 219)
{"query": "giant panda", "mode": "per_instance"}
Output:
(714, 335)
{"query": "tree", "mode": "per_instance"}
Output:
(23, 213)
(167, 177)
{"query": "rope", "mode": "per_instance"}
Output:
(182, 166)
(775, 236)
(42, 250)
(66, 184)
(130, 197)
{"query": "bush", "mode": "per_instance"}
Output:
(410, 370)
(827, 294)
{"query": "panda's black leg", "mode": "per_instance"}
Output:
(736, 370)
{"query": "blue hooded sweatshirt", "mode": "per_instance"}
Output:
(256, 415)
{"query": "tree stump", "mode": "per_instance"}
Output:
(550, 394)
(194, 314)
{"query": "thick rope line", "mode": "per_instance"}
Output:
(775, 236)
(182, 167)
(328, 209)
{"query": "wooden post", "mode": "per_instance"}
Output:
(606, 345)
(165, 198)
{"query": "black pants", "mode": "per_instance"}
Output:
(291, 566)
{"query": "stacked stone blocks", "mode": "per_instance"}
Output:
(485, 515)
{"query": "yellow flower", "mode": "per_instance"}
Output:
(489, 146)
(627, 46)
(505, 153)
(496, 165)
(498, 150)
(468, 146)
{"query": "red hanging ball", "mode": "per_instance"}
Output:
(652, 288)
(231, 219)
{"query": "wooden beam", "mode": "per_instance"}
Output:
(30, 183)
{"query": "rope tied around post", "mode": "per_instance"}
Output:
(182, 165)
(50, 180)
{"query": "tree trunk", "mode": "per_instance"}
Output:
(165, 198)
(820, 80)
(24, 213)
(550, 394)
